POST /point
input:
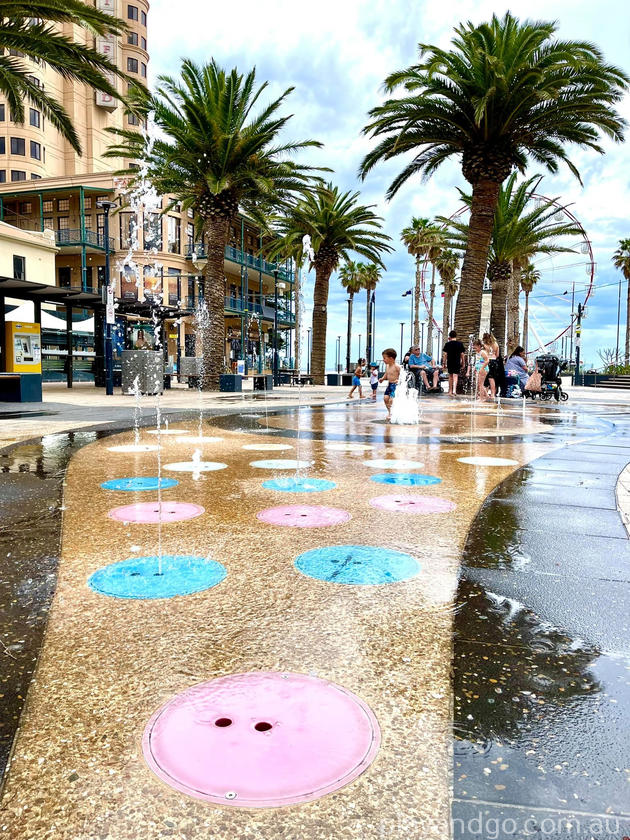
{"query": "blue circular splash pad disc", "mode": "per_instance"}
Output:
(299, 485)
(139, 577)
(139, 483)
(357, 564)
(406, 479)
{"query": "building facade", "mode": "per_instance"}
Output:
(46, 185)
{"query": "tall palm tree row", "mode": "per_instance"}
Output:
(529, 277)
(447, 265)
(421, 239)
(621, 260)
(522, 228)
(338, 225)
(351, 282)
(31, 30)
(214, 153)
(369, 276)
(507, 91)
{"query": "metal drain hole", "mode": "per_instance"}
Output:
(262, 726)
(223, 722)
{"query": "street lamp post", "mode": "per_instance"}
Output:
(110, 314)
(402, 327)
(308, 351)
(338, 355)
(578, 342)
(349, 338)
(359, 345)
(422, 336)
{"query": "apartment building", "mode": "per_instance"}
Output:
(46, 185)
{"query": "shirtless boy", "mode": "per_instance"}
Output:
(391, 375)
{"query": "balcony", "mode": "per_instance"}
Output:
(266, 310)
(234, 255)
(75, 238)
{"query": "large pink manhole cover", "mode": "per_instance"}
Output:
(303, 516)
(413, 504)
(261, 740)
(156, 512)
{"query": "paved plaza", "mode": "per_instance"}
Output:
(285, 618)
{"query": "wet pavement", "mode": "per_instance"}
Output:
(505, 644)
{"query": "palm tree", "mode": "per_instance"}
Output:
(419, 238)
(522, 228)
(506, 91)
(529, 277)
(369, 276)
(621, 260)
(30, 30)
(214, 154)
(337, 225)
(447, 265)
(351, 282)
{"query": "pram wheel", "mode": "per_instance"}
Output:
(564, 397)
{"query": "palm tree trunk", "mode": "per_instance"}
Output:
(627, 349)
(349, 336)
(416, 305)
(468, 309)
(320, 322)
(499, 274)
(298, 322)
(526, 321)
(514, 289)
(446, 313)
(431, 302)
(213, 338)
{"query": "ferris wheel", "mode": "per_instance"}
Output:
(566, 279)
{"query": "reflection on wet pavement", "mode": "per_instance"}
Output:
(539, 669)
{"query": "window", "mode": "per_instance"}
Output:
(132, 65)
(190, 237)
(35, 177)
(143, 43)
(143, 69)
(48, 222)
(87, 202)
(190, 212)
(174, 235)
(152, 231)
(19, 267)
(143, 18)
(26, 208)
(100, 227)
(127, 224)
(3, 145)
(2, 117)
(63, 204)
(34, 117)
(64, 273)
(47, 205)
(132, 119)
(132, 38)
(18, 146)
(63, 222)
(18, 175)
(132, 12)
(35, 81)
(88, 222)
(3, 176)
(36, 150)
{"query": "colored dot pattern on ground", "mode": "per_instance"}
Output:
(147, 578)
(139, 483)
(359, 565)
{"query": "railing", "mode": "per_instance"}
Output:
(266, 309)
(73, 236)
(234, 255)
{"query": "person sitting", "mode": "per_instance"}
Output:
(423, 366)
(517, 366)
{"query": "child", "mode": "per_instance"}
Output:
(392, 375)
(374, 380)
(356, 380)
(481, 369)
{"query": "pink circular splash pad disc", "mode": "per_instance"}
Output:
(303, 516)
(413, 504)
(150, 512)
(261, 740)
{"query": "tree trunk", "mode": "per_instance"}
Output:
(298, 323)
(349, 336)
(431, 302)
(447, 312)
(627, 349)
(499, 274)
(526, 321)
(514, 289)
(468, 309)
(213, 338)
(320, 322)
(416, 305)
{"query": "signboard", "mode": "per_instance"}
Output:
(107, 6)
(240, 367)
(128, 284)
(110, 311)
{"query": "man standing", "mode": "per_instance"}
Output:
(454, 359)
(423, 365)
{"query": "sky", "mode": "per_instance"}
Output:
(336, 54)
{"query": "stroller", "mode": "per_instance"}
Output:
(549, 367)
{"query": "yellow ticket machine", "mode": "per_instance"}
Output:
(23, 347)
